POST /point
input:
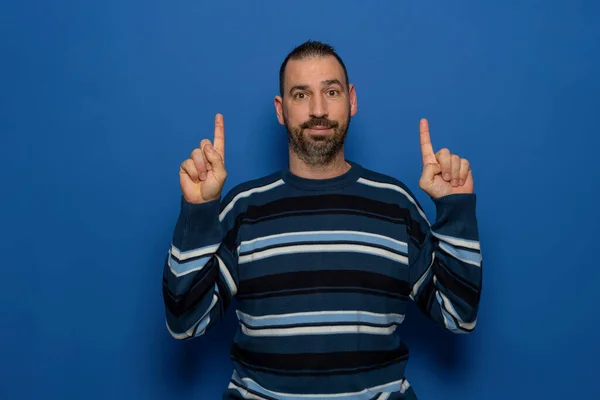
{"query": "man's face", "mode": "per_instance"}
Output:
(316, 108)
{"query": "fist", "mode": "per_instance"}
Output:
(443, 173)
(203, 175)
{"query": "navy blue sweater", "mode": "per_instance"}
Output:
(322, 271)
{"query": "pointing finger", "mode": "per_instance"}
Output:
(426, 147)
(219, 140)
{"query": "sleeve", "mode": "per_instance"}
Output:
(200, 271)
(445, 262)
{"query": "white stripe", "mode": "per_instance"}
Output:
(245, 394)
(363, 394)
(319, 330)
(228, 278)
(447, 304)
(396, 188)
(471, 244)
(455, 253)
(302, 233)
(322, 248)
(186, 255)
(424, 277)
(247, 193)
(405, 386)
(311, 313)
(189, 332)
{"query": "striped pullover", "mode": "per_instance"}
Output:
(321, 272)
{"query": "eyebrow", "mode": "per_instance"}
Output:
(327, 82)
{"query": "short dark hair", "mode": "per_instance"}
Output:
(310, 48)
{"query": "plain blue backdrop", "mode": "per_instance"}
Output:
(100, 101)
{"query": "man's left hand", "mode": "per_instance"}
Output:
(443, 173)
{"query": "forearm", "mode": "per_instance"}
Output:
(197, 283)
(447, 266)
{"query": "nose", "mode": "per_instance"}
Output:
(318, 107)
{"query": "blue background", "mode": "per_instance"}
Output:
(102, 100)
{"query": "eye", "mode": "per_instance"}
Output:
(299, 95)
(332, 92)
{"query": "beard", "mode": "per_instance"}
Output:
(317, 150)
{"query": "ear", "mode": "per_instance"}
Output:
(353, 100)
(278, 102)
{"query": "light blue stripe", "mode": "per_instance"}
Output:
(326, 318)
(323, 237)
(185, 267)
(449, 320)
(461, 254)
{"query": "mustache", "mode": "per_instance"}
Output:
(319, 121)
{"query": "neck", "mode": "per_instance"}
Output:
(338, 166)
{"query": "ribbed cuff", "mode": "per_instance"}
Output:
(456, 215)
(201, 216)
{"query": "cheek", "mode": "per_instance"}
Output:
(339, 110)
(296, 115)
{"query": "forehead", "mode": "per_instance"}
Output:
(313, 70)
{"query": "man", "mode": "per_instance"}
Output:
(322, 257)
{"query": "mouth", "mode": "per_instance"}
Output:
(318, 130)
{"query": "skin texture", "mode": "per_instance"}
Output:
(316, 109)
(315, 98)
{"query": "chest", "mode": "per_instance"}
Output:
(323, 252)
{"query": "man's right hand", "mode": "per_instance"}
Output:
(203, 175)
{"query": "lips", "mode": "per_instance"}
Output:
(319, 130)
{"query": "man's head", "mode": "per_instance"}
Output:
(316, 102)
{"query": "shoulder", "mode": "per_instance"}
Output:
(241, 192)
(384, 182)
(389, 189)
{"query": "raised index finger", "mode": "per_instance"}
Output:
(426, 147)
(219, 140)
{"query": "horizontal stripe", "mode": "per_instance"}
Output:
(319, 248)
(297, 262)
(320, 344)
(309, 300)
(319, 317)
(329, 204)
(320, 330)
(318, 363)
(248, 193)
(322, 237)
(333, 222)
(397, 188)
(350, 280)
(365, 394)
